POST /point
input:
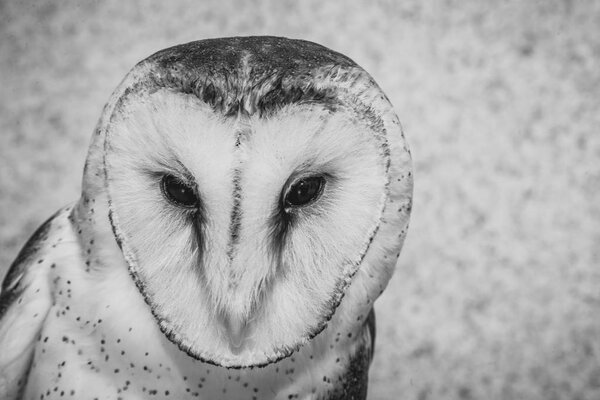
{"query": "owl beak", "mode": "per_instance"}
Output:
(236, 332)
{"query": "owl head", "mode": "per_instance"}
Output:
(251, 185)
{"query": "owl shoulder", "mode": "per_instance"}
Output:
(353, 383)
(25, 299)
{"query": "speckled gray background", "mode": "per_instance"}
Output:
(497, 294)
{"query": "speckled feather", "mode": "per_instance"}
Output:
(79, 326)
(77, 355)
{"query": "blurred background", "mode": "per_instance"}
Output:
(497, 291)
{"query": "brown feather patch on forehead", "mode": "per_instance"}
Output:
(248, 75)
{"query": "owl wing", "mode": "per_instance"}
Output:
(25, 300)
(353, 384)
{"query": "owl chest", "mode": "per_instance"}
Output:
(88, 362)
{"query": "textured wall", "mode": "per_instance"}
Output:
(497, 294)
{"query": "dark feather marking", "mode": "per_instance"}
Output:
(7, 298)
(236, 214)
(198, 222)
(241, 133)
(372, 330)
(247, 75)
(279, 96)
(280, 223)
(354, 382)
(11, 289)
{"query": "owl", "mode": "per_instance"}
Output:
(244, 202)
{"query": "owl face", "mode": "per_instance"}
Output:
(244, 209)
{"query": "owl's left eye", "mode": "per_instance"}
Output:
(178, 192)
(304, 191)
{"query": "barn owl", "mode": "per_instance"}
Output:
(244, 203)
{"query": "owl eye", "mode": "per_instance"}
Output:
(304, 191)
(178, 192)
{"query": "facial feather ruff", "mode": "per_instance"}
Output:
(239, 121)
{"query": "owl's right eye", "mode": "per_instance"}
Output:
(304, 191)
(178, 192)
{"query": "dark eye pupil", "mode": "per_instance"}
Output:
(178, 192)
(304, 191)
